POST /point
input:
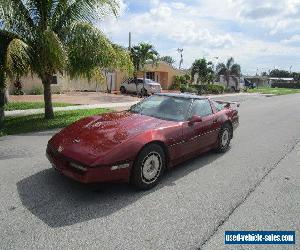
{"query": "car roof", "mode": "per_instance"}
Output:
(182, 95)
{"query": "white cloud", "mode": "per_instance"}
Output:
(213, 28)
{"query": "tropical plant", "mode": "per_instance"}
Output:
(180, 81)
(229, 69)
(203, 70)
(13, 61)
(168, 59)
(57, 36)
(142, 55)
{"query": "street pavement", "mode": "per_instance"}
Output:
(254, 186)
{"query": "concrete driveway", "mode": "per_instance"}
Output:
(84, 98)
(255, 186)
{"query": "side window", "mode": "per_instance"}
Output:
(132, 81)
(140, 81)
(201, 108)
(218, 106)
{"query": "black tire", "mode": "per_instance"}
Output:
(123, 90)
(144, 92)
(145, 172)
(224, 138)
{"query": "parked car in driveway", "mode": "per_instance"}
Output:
(137, 145)
(150, 87)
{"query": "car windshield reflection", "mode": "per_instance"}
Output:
(163, 107)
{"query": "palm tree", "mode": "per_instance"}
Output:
(142, 55)
(228, 69)
(13, 61)
(203, 69)
(57, 36)
(168, 59)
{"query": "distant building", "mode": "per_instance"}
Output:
(163, 73)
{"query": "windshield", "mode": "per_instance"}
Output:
(163, 107)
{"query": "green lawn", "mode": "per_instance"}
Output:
(274, 91)
(32, 105)
(33, 123)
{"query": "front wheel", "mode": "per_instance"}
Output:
(224, 138)
(123, 90)
(148, 167)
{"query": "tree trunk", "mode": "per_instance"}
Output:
(6, 96)
(2, 96)
(144, 80)
(48, 98)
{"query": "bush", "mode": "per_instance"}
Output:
(36, 91)
(209, 89)
(18, 88)
(185, 89)
(294, 85)
(179, 81)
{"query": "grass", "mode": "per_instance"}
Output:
(34, 123)
(32, 105)
(274, 91)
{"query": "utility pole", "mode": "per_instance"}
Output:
(180, 51)
(129, 41)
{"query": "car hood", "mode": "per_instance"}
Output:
(93, 137)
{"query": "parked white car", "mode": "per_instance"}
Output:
(150, 87)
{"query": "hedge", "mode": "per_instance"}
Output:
(204, 89)
(294, 85)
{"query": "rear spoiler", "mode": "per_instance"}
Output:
(233, 105)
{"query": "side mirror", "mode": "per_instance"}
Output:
(195, 119)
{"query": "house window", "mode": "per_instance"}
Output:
(150, 75)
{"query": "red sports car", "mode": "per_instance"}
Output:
(139, 144)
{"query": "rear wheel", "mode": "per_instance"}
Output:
(122, 90)
(144, 92)
(148, 167)
(224, 138)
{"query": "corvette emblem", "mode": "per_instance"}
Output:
(60, 149)
(76, 140)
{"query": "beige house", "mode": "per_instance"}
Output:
(162, 73)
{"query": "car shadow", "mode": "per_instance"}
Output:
(59, 201)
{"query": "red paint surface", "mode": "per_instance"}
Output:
(99, 142)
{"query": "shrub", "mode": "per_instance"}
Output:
(209, 89)
(185, 89)
(18, 88)
(180, 81)
(36, 91)
(294, 85)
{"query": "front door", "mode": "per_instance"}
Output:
(201, 135)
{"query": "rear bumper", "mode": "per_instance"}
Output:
(91, 174)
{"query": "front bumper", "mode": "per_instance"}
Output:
(91, 174)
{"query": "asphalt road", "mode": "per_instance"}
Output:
(255, 186)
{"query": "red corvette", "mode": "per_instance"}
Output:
(139, 144)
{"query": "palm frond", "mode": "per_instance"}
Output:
(235, 69)
(82, 11)
(16, 16)
(88, 49)
(17, 58)
(221, 69)
(229, 62)
(48, 54)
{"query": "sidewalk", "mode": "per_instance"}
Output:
(109, 105)
(115, 106)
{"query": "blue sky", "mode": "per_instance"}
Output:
(260, 35)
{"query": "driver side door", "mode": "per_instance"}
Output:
(200, 136)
